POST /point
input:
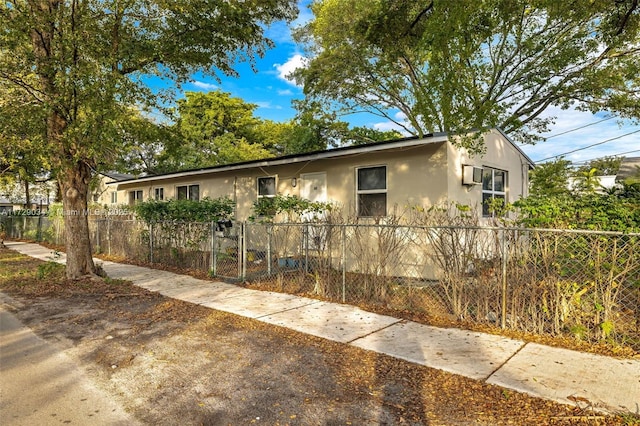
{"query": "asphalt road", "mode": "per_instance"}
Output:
(40, 385)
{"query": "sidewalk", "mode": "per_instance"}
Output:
(607, 384)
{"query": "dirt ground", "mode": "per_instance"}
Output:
(170, 362)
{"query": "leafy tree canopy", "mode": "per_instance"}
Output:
(82, 63)
(553, 204)
(459, 65)
(216, 128)
(605, 166)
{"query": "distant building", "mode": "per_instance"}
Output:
(629, 169)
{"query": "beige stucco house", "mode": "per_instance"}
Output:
(103, 194)
(368, 179)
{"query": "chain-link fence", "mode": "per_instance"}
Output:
(556, 282)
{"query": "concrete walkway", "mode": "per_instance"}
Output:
(605, 383)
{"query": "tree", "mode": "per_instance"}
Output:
(83, 63)
(458, 65)
(553, 204)
(143, 146)
(605, 166)
(550, 179)
(364, 135)
(24, 160)
(216, 128)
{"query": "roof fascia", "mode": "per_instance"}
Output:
(319, 155)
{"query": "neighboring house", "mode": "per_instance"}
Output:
(7, 206)
(109, 195)
(604, 183)
(629, 170)
(37, 206)
(368, 179)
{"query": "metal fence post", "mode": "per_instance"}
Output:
(151, 242)
(306, 247)
(344, 263)
(503, 243)
(242, 255)
(109, 236)
(214, 270)
(269, 230)
(39, 231)
(98, 245)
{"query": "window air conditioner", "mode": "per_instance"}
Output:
(471, 175)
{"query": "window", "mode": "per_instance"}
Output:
(135, 197)
(114, 197)
(372, 191)
(494, 185)
(158, 194)
(266, 186)
(188, 192)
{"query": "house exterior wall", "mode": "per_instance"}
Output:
(499, 154)
(102, 194)
(422, 175)
(415, 176)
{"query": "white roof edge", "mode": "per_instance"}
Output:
(332, 153)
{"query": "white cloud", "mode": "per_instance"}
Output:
(267, 105)
(390, 125)
(400, 116)
(285, 92)
(294, 62)
(204, 85)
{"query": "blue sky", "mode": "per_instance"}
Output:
(272, 93)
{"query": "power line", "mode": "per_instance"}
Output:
(581, 127)
(603, 156)
(589, 146)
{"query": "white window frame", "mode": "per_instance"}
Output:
(189, 187)
(114, 197)
(275, 186)
(138, 196)
(360, 192)
(158, 191)
(492, 192)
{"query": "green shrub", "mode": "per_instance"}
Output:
(291, 207)
(205, 210)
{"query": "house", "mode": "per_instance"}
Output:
(108, 195)
(601, 183)
(367, 179)
(7, 206)
(38, 205)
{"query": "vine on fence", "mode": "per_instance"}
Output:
(177, 227)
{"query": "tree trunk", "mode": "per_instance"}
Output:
(27, 195)
(75, 190)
